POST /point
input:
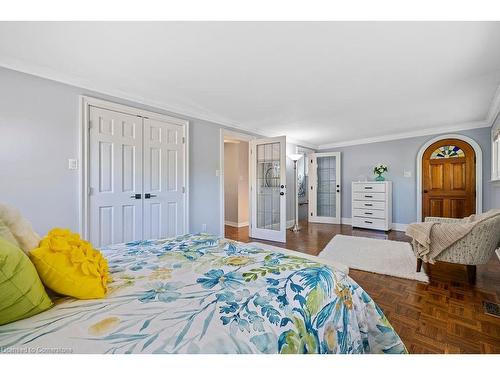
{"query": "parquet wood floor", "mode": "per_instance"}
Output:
(444, 316)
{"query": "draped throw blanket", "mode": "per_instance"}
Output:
(431, 238)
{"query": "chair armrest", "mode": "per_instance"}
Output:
(448, 220)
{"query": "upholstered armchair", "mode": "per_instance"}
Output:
(477, 247)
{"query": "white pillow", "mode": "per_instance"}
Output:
(20, 228)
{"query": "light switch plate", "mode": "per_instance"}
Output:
(72, 163)
(407, 173)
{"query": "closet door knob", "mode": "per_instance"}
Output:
(149, 195)
(136, 196)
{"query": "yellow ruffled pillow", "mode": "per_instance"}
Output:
(71, 266)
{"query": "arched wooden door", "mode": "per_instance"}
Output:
(449, 179)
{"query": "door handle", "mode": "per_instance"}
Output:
(149, 195)
(281, 193)
(136, 196)
(425, 191)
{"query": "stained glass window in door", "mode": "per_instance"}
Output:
(445, 152)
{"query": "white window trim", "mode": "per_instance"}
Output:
(479, 170)
(84, 181)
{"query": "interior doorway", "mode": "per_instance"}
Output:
(303, 182)
(235, 184)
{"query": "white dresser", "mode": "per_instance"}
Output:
(372, 205)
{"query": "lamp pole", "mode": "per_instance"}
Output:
(295, 158)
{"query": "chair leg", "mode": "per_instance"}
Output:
(471, 273)
(419, 264)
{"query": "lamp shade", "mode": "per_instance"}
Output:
(295, 157)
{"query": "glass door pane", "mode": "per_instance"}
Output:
(268, 186)
(326, 191)
(268, 189)
(324, 188)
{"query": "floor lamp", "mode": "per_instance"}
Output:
(296, 158)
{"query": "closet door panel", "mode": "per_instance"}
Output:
(115, 175)
(163, 179)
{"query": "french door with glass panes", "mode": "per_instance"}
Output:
(324, 187)
(268, 189)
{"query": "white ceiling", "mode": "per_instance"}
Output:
(320, 83)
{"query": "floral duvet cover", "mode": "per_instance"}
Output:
(203, 294)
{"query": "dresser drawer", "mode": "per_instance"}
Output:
(369, 196)
(369, 223)
(376, 214)
(369, 204)
(368, 187)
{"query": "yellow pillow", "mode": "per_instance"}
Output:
(71, 266)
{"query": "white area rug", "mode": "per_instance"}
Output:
(393, 258)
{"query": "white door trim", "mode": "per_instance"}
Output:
(225, 133)
(479, 170)
(85, 103)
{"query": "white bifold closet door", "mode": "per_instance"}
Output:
(136, 178)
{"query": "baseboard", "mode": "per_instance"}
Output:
(289, 223)
(236, 225)
(395, 226)
(399, 226)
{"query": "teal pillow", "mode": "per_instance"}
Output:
(21, 292)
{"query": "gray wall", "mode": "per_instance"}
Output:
(401, 155)
(39, 131)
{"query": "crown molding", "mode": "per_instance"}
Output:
(412, 134)
(491, 116)
(494, 110)
(85, 84)
(32, 69)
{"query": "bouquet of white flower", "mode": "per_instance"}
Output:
(379, 170)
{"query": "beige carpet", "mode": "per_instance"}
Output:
(393, 258)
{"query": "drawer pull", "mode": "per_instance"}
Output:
(368, 204)
(368, 222)
(368, 213)
(369, 187)
(368, 196)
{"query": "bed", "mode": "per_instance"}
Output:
(204, 294)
